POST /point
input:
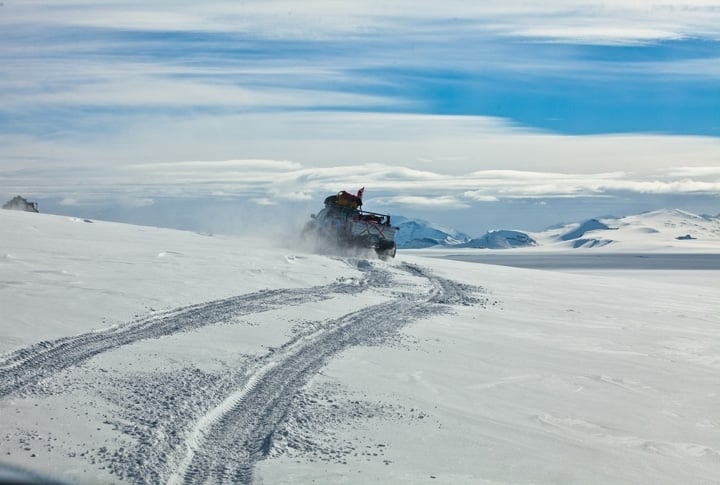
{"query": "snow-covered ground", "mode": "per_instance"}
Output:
(145, 355)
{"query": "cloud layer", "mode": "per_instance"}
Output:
(560, 19)
(441, 105)
(430, 161)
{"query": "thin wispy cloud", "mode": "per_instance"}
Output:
(444, 202)
(278, 181)
(354, 55)
(322, 18)
(695, 171)
(599, 35)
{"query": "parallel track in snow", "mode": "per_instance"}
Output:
(24, 367)
(225, 444)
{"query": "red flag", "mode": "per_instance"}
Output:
(360, 193)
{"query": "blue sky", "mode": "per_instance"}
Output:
(479, 116)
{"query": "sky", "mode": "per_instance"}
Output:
(218, 116)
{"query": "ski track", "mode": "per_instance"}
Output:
(225, 444)
(24, 367)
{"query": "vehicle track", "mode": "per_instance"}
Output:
(226, 443)
(24, 367)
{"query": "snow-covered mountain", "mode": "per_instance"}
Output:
(501, 239)
(669, 229)
(418, 233)
(659, 229)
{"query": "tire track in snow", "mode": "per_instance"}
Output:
(24, 367)
(225, 444)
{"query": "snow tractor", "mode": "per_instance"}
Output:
(342, 224)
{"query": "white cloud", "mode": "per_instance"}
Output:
(146, 91)
(479, 196)
(264, 201)
(418, 201)
(460, 145)
(221, 165)
(249, 127)
(413, 190)
(85, 71)
(665, 187)
(610, 34)
(693, 171)
(136, 201)
(92, 198)
(610, 20)
(301, 156)
(292, 195)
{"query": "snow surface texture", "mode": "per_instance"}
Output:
(142, 355)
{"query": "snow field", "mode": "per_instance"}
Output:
(566, 379)
(337, 370)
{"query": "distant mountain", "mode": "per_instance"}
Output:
(664, 228)
(418, 233)
(501, 239)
